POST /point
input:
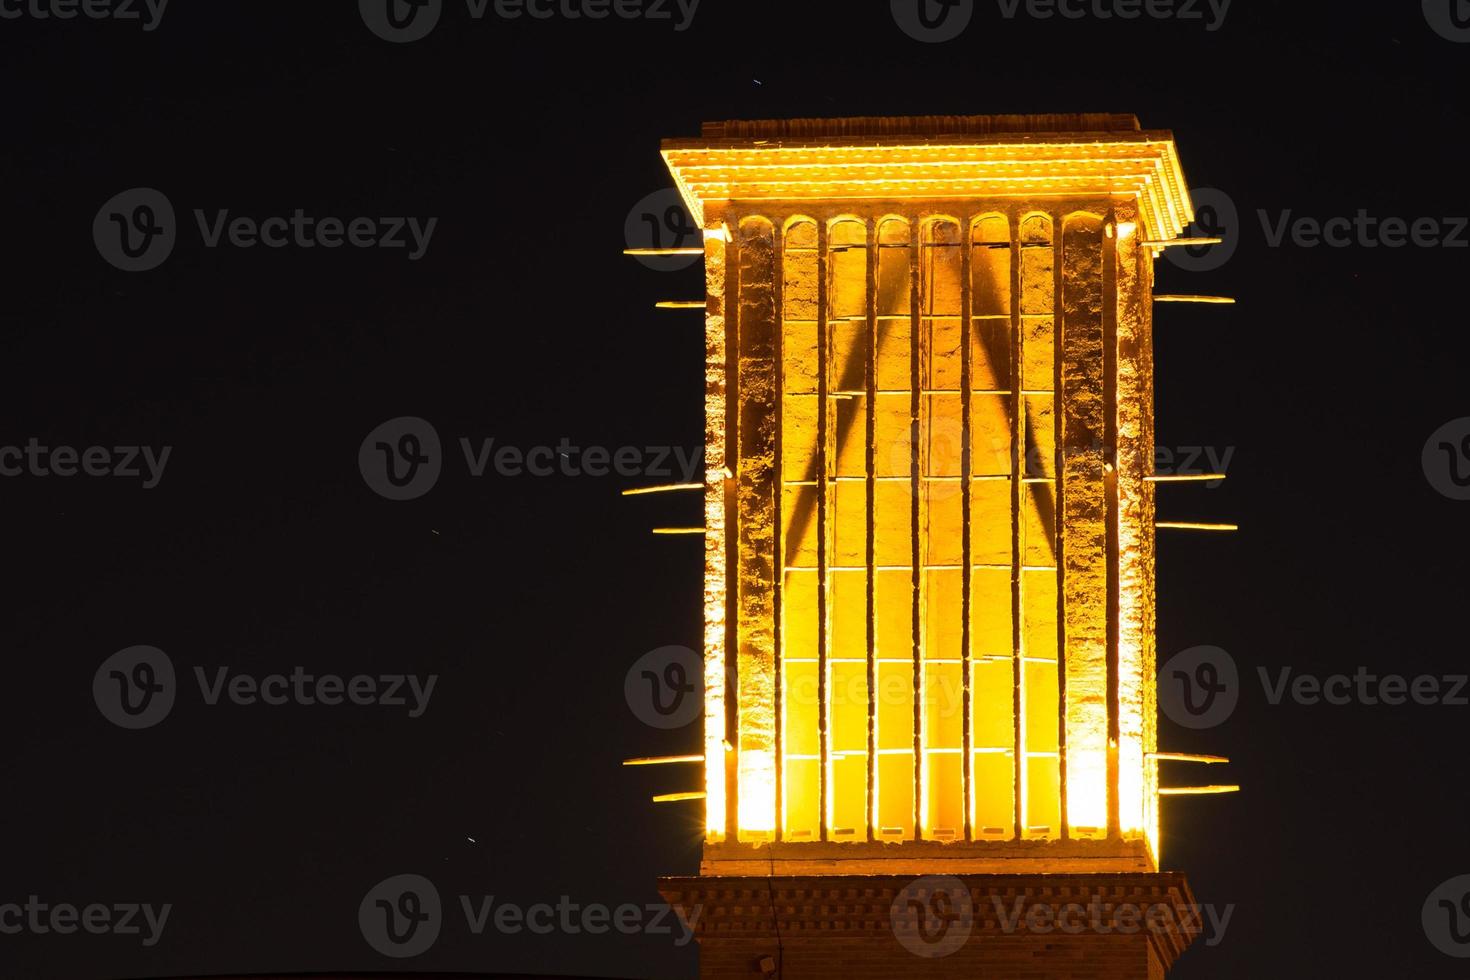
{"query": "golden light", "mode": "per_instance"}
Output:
(929, 575)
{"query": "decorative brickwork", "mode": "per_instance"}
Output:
(1017, 927)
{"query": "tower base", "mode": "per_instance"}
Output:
(1103, 926)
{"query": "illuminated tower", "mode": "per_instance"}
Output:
(929, 557)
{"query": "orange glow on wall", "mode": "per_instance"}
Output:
(929, 590)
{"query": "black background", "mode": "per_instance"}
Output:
(263, 549)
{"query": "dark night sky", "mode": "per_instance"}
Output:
(262, 548)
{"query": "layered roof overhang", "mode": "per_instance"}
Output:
(935, 158)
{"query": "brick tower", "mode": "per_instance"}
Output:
(930, 720)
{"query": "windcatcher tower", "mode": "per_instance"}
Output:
(929, 549)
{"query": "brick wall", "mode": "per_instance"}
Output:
(1007, 927)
